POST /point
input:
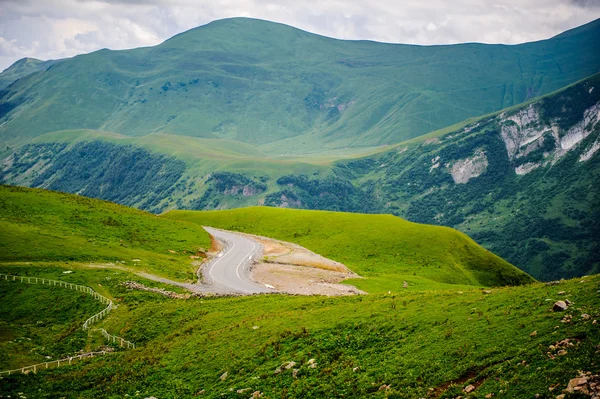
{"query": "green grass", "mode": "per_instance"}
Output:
(413, 340)
(384, 249)
(41, 323)
(40, 225)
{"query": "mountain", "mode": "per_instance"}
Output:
(21, 69)
(522, 182)
(286, 90)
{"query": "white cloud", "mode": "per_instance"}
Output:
(53, 29)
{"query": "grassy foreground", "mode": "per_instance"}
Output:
(40, 225)
(384, 249)
(422, 344)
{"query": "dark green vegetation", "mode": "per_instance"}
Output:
(123, 174)
(40, 323)
(384, 249)
(39, 225)
(410, 340)
(287, 90)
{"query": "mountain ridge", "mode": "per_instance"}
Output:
(287, 90)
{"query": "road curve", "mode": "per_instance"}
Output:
(230, 271)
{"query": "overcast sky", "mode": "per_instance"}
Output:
(50, 29)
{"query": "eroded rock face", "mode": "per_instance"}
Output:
(466, 169)
(524, 133)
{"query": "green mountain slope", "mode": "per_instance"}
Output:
(523, 183)
(287, 90)
(45, 226)
(23, 68)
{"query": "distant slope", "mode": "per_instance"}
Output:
(21, 69)
(523, 183)
(40, 225)
(289, 91)
(383, 248)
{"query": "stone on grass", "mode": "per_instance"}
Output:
(469, 388)
(559, 306)
(223, 376)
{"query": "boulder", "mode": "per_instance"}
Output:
(559, 306)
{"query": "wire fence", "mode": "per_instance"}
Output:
(86, 325)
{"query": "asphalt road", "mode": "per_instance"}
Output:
(230, 271)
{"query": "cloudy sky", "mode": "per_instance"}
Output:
(50, 29)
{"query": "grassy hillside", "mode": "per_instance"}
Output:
(384, 249)
(39, 225)
(33, 331)
(21, 69)
(422, 344)
(286, 90)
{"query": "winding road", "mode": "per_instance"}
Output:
(230, 271)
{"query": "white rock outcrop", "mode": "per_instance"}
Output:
(466, 169)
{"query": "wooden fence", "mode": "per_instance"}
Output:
(86, 325)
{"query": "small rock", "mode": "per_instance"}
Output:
(561, 352)
(289, 365)
(312, 364)
(585, 316)
(243, 390)
(405, 284)
(533, 334)
(559, 306)
(489, 396)
(223, 376)
(561, 396)
(576, 383)
(255, 327)
(595, 322)
(256, 395)
(200, 392)
(355, 369)
(384, 387)
(562, 293)
(487, 291)
(295, 373)
(469, 388)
